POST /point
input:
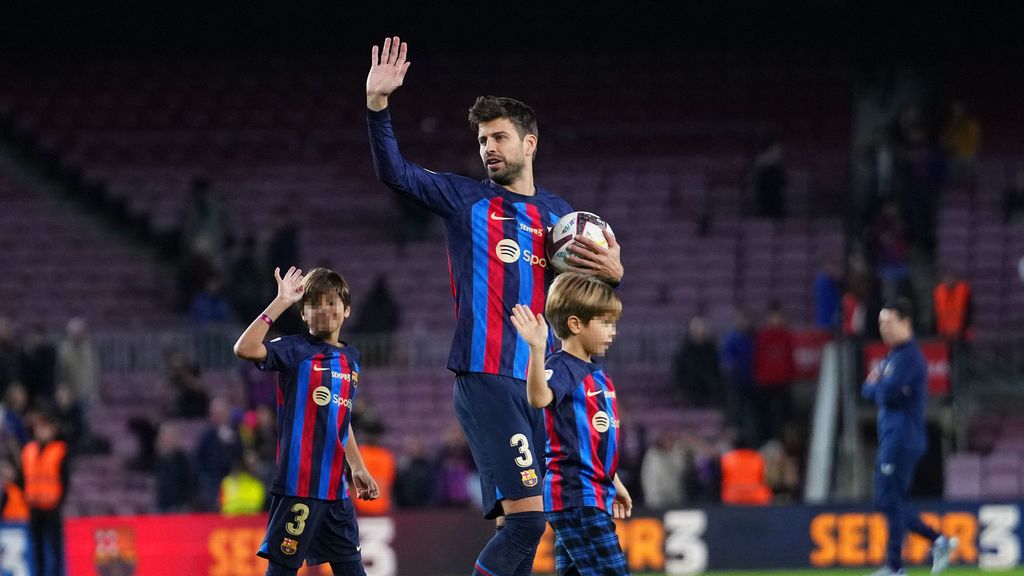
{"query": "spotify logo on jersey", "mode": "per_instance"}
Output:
(601, 422)
(322, 395)
(507, 250)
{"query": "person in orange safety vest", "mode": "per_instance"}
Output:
(44, 467)
(952, 300)
(743, 480)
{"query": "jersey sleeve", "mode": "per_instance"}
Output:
(561, 381)
(280, 355)
(439, 193)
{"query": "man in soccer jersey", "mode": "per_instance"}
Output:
(495, 231)
(582, 491)
(899, 386)
(311, 516)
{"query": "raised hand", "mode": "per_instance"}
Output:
(289, 288)
(387, 72)
(532, 328)
(589, 257)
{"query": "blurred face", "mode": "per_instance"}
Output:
(894, 330)
(325, 314)
(595, 336)
(503, 152)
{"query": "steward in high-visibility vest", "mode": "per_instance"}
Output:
(743, 478)
(952, 300)
(44, 467)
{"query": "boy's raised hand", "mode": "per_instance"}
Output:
(289, 288)
(531, 327)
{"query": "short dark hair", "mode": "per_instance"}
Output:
(487, 108)
(901, 306)
(583, 296)
(320, 281)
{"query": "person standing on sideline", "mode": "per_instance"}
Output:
(899, 387)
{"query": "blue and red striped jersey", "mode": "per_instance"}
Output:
(316, 389)
(495, 242)
(582, 425)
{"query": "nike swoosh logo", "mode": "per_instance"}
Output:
(594, 393)
(494, 216)
(358, 548)
(321, 369)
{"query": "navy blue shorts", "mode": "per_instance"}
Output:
(586, 543)
(505, 434)
(316, 531)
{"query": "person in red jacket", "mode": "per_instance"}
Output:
(774, 370)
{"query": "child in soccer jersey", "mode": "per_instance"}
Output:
(582, 492)
(311, 516)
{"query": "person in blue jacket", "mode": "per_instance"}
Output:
(898, 385)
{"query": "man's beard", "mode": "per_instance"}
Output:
(511, 173)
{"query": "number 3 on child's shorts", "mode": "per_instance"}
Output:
(525, 459)
(301, 513)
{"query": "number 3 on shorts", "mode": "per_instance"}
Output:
(525, 458)
(301, 513)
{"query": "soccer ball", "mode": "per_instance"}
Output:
(568, 228)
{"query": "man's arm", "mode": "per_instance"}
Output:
(896, 388)
(387, 72)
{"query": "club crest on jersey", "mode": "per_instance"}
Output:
(529, 477)
(289, 546)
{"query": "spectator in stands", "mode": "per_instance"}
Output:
(71, 425)
(952, 301)
(175, 478)
(663, 472)
(78, 365)
(413, 223)
(16, 405)
(190, 397)
(283, 251)
(210, 305)
(38, 366)
(262, 439)
(380, 316)
(769, 179)
(44, 464)
(241, 491)
(13, 432)
(774, 370)
(743, 477)
(259, 386)
(10, 356)
(219, 446)
(416, 479)
(781, 475)
(1013, 197)
(961, 139)
(697, 368)
(145, 433)
(891, 248)
(826, 297)
(456, 470)
(920, 169)
(13, 508)
(204, 223)
(246, 286)
(738, 363)
(703, 475)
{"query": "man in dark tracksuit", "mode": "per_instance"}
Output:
(899, 387)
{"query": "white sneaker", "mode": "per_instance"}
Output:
(941, 550)
(886, 571)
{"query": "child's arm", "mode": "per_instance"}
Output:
(534, 331)
(623, 505)
(366, 486)
(289, 291)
